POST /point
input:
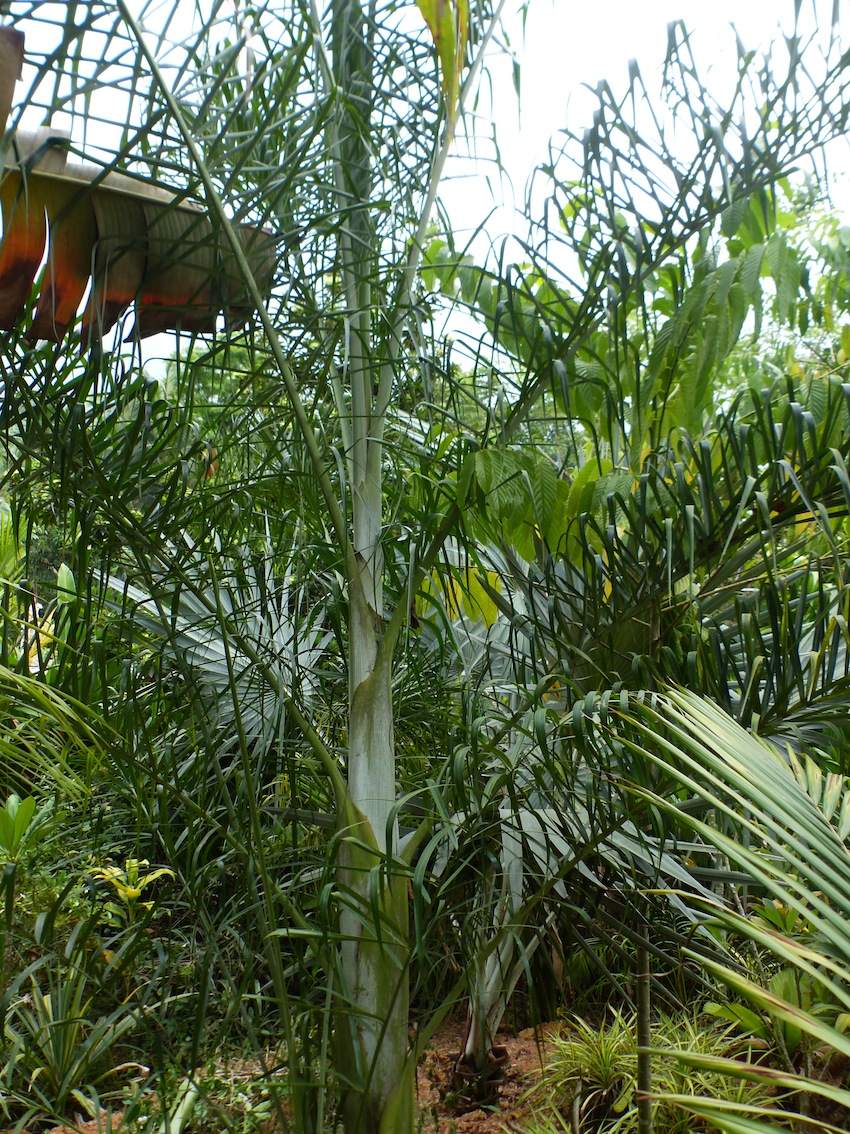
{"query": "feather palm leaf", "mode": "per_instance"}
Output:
(768, 825)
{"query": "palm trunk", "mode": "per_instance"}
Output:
(372, 1021)
(495, 972)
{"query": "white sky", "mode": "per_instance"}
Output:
(569, 43)
(572, 42)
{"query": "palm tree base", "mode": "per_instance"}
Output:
(480, 1086)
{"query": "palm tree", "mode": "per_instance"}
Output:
(334, 139)
(632, 537)
(325, 131)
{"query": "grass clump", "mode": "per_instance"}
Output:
(590, 1081)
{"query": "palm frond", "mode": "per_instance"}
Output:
(771, 828)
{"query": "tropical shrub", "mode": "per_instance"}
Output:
(590, 1078)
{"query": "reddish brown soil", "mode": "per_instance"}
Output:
(445, 1109)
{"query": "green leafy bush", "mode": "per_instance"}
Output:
(59, 1050)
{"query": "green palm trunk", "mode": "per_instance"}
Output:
(372, 1020)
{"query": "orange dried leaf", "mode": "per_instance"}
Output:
(11, 61)
(72, 240)
(22, 246)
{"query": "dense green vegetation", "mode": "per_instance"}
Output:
(349, 680)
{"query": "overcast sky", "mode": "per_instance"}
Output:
(570, 43)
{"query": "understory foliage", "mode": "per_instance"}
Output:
(342, 670)
(592, 1074)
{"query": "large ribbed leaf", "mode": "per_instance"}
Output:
(242, 632)
(136, 241)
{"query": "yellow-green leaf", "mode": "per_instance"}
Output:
(66, 587)
(448, 21)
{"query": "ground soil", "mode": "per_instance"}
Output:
(443, 1107)
(441, 1096)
